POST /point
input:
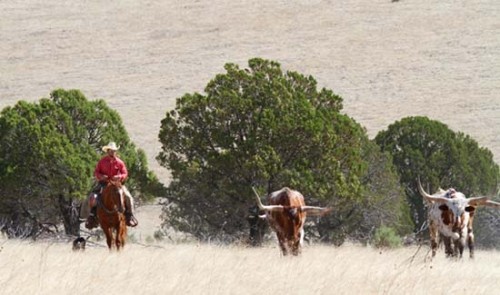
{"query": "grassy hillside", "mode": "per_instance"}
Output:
(387, 60)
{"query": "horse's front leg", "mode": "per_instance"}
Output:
(118, 241)
(121, 235)
(109, 237)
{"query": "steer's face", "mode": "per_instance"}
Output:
(455, 209)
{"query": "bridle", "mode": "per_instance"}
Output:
(120, 208)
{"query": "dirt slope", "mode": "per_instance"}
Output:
(387, 60)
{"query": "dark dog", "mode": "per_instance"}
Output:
(79, 244)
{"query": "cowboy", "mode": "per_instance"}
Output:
(110, 167)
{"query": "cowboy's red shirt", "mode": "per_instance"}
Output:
(111, 166)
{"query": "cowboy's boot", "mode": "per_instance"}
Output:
(130, 218)
(92, 219)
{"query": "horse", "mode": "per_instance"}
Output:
(111, 214)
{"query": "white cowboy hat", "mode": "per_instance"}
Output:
(110, 146)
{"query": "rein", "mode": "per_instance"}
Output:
(109, 212)
(120, 208)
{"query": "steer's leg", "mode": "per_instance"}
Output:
(447, 246)
(434, 236)
(464, 238)
(283, 243)
(459, 247)
(295, 245)
(470, 243)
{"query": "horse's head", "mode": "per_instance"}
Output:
(113, 194)
(113, 187)
(116, 183)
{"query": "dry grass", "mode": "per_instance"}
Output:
(204, 269)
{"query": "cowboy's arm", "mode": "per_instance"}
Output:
(122, 174)
(99, 175)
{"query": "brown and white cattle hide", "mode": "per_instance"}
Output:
(286, 214)
(450, 216)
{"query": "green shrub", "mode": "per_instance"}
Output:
(386, 237)
(159, 235)
(132, 238)
(149, 240)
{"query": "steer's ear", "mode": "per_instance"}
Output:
(470, 208)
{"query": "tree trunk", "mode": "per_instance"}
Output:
(258, 226)
(70, 212)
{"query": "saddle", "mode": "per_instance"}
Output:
(93, 221)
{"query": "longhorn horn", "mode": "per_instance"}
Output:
(483, 201)
(270, 208)
(476, 201)
(428, 197)
(316, 211)
(493, 204)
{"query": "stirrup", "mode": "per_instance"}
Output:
(131, 220)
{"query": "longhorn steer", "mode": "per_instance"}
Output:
(451, 214)
(286, 214)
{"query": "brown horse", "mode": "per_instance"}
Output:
(110, 211)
